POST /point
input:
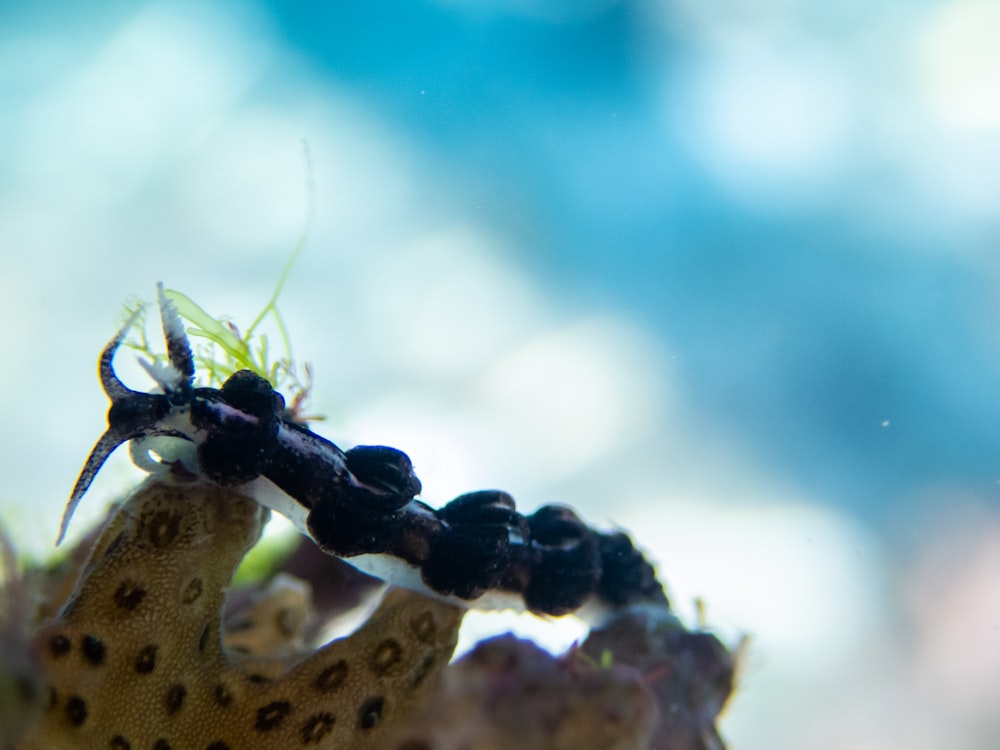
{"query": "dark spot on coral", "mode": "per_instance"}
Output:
(119, 743)
(422, 671)
(129, 595)
(59, 645)
(222, 695)
(192, 591)
(270, 716)
(161, 745)
(218, 746)
(174, 698)
(423, 627)
(371, 712)
(203, 639)
(164, 527)
(257, 678)
(240, 626)
(76, 710)
(385, 656)
(413, 744)
(115, 544)
(332, 677)
(93, 649)
(145, 661)
(318, 727)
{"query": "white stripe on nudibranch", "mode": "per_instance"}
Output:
(389, 568)
(268, 494)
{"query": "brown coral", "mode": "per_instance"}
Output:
(643, 681)
(509, 693)
(135, 653)
(20, 688)
(690, 674)
(135, 658)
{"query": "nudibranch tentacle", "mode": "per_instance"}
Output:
(130, 415)
(360, 505)
(179, 385)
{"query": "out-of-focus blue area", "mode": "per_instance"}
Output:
(856, 351)
(840, 320)
(723, 272)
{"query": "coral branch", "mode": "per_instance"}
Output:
(137, 657)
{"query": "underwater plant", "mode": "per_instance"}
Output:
(138, 640)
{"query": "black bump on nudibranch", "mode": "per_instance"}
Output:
(569, 565)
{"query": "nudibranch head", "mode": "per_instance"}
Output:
(135, 415)
(239, 433)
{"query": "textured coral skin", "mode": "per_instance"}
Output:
(136, 653)
(136, 657)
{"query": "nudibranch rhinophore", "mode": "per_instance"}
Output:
(360, 504)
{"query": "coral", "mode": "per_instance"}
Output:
(690, 674)
(20, 686)
(509, 693)
(641, 681)
(134, 640)
(143, 645)
(136, 657)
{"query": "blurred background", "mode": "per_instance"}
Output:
(722, 272)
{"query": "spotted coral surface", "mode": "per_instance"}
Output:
(137, 656)
(143, 644)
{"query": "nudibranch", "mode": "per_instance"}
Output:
(360, 504)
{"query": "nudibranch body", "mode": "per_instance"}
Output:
(360, 504)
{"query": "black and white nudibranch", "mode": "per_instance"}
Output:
(360, 504)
